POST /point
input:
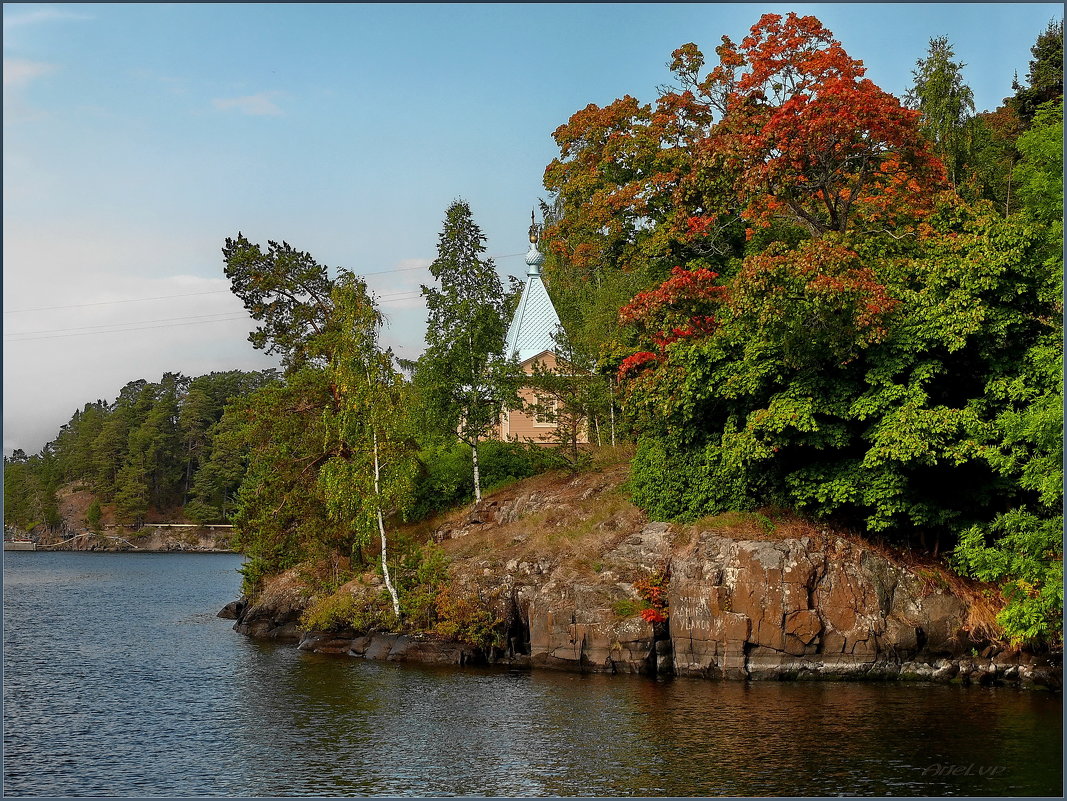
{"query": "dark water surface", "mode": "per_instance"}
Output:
(119, 680)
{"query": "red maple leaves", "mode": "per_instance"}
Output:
(808, 136)
(682, 307)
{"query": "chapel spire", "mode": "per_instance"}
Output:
(533, 328)
(534, 257)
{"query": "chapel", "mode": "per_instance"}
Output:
(531, 340)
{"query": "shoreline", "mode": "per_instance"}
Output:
(1007, 673)
(1016, 670)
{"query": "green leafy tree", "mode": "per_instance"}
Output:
(370, 472)
(946, 103)
(1040, 173)
(463, 375)
(992, 159)
(572, 396)
(1022, 549)
(847, 378)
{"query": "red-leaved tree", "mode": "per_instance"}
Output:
(805, 135)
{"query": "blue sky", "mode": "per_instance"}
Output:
(138, 137)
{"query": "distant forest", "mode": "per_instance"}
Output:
(164, 446)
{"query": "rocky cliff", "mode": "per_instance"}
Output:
(165, 532)
(148, 538)
(561, 561)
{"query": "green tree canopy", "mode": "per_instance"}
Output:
(946, 104)
(463, 375)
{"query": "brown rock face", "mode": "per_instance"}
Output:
(275, 613)
(393, 648)
(777, 608)
(560, 560)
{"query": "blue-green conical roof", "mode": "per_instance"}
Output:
(535, 322)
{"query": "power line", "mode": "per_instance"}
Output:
(114, 325)
(209, 292)
(59, 333)
(124, 330)
(112, 302)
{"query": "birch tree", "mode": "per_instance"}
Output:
(946, 103)
(370, 472)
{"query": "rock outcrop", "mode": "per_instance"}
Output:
(560, 561)
(147, 539)
(275, 612)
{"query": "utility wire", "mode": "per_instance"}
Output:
(115, 325)
(209, 292)
(32, 336)
(123, 330)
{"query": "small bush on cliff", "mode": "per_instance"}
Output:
(465, 617)
(347, 610)
(627, 607)
(419, 577)
(653, 592)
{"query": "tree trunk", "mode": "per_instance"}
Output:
(188, 473)
(611, 406)
(477, 475)
(381, 530)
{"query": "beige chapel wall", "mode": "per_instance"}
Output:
(517, 425)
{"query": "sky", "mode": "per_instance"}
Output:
(137, 138)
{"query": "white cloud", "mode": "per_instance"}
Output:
(19, 72)
(38, 15)
(257, 105)
(108, 332)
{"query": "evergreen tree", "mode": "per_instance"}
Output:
(1045, 77)
(463, 374)
(284, 289)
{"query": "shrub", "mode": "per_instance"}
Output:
(627, 607)
(447, 478)
(94, 515)
(467, 618)
(347, 610)
(653, 592)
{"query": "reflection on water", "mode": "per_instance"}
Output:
(120, 681)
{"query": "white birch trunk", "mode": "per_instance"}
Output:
(381, 530)
(477, 475)
(611, 406)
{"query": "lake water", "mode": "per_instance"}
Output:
(119, 680)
